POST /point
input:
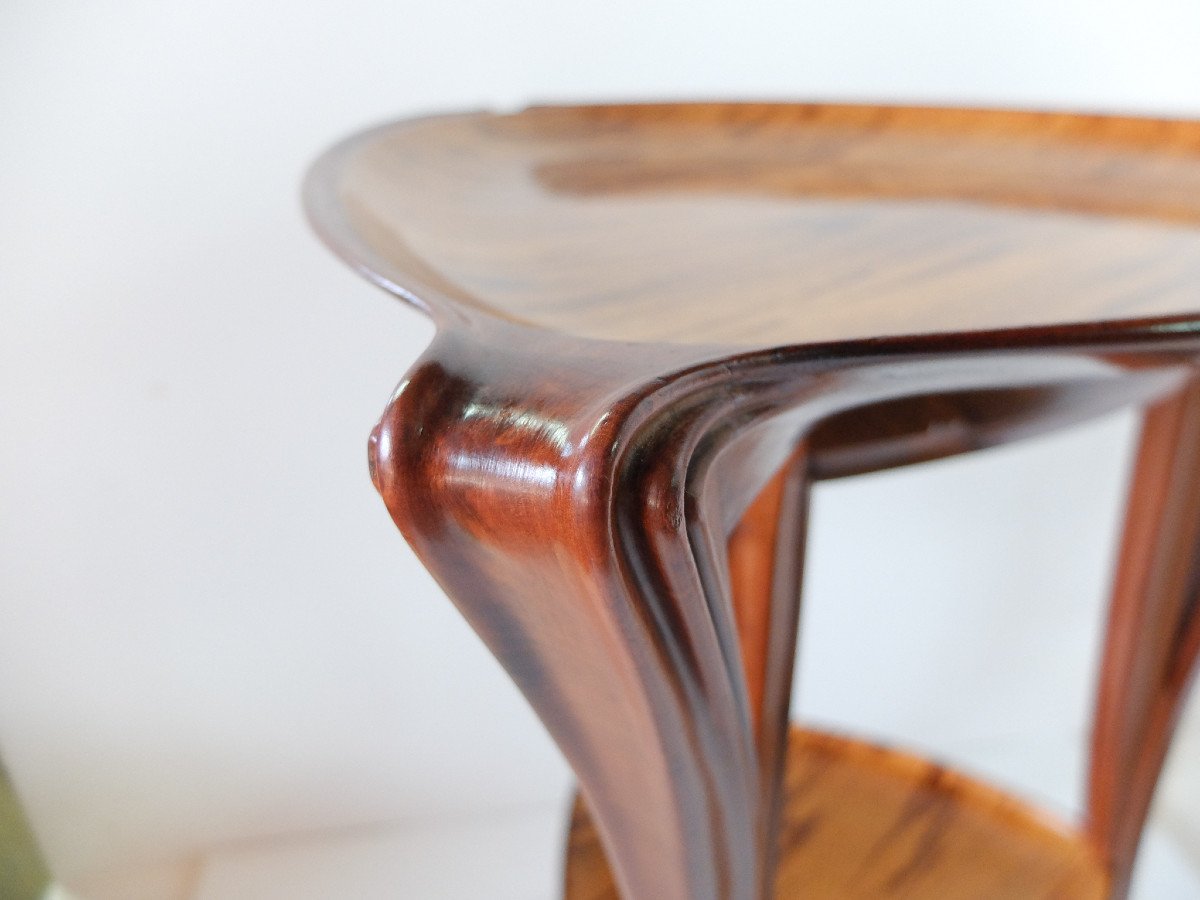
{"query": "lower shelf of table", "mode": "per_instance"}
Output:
(862, 821)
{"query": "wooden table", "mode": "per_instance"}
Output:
(656, 327)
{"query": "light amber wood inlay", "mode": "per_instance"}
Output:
(861, 822)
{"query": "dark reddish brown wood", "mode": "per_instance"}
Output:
(1152, 632)
(656, 325)
(766, 550)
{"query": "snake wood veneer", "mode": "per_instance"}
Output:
(656, 327)
(861, 821)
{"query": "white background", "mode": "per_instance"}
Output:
(222, 673)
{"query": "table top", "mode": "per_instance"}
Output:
(770, 224)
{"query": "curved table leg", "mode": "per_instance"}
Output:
(766, 560)
(1153, 631)
(559, 514)
(627, 544)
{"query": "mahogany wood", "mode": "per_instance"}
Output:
(657, 325)
(1152, 631)
(765, 562)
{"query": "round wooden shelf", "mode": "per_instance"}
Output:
(865, 821)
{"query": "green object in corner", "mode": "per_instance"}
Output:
(23, 873)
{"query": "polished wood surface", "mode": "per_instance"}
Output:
(862, 822)
(780, 224)
(658, 325)
(1154, 629)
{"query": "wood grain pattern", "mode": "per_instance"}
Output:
(862, 822)
(784, 224)
(658, 325)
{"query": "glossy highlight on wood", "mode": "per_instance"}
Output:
(658, 325)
